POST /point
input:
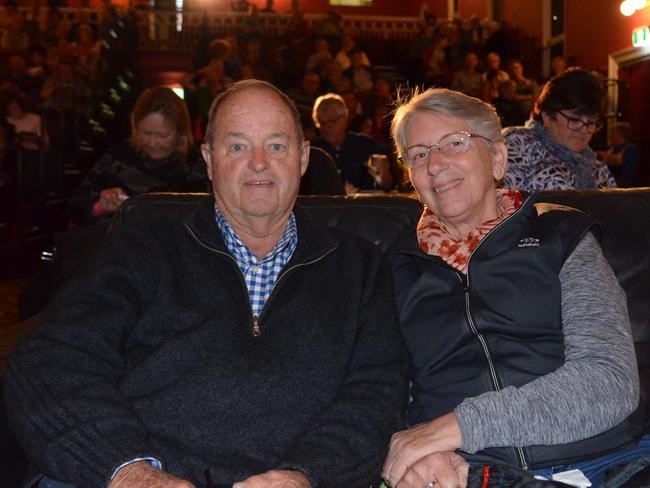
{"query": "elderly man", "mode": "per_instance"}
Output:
(243, 345)
(350, 150)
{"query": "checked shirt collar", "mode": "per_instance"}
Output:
(260, 275)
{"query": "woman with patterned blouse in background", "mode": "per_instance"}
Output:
(551, 152)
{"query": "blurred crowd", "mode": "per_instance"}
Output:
(67, 91)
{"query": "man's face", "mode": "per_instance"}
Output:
(255, 160)
(332, 124)
(493, 61)
(471, 61)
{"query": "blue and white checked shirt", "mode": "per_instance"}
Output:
(260, 275)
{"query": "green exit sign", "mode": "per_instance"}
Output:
(641, 37)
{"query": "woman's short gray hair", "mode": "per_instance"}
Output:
(480, 116)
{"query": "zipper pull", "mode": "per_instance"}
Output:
(256, 326)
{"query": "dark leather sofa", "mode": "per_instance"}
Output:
(624, 216)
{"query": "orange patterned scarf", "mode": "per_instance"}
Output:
(436, 240)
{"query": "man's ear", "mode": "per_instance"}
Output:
(207, 156)
(304, 158)
(499, 160)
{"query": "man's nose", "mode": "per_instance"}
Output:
(258, 161)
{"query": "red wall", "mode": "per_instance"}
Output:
(526, 15)
(597, 28)
(468, 8)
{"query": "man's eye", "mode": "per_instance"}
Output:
(236, 147)
(277, 147)
(420, 155)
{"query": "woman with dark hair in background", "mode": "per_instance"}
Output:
(551, 152)
(159, 156)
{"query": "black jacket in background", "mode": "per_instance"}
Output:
(123, 167)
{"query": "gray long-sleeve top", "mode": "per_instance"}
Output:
(595, 389)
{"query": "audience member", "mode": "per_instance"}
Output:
(468, 81)
(493, 62)
(527, 89)
(436, 64)
(490, 85)
(418, 46)
(38, 67)
(12, 28)
(348, 43)
(88, 52)
(552, 151)
(361, 76)
(355, 110)
(305, 95)
(66, 91)
(243, 344)
(160, 156)
(559, 65)
(333, 78)
(350, 150)
(322, 176)
(511, 111)
(27, 125)
(623, 157)
(202, 86)
(321, 54)
(20, 80)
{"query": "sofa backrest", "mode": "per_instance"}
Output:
(624, 216)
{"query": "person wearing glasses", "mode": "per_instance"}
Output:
(551, 152)
(350, 150)
(159, 156)
(518, 332)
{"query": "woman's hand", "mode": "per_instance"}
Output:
(109, 201)
(440, 469)
(410, 446)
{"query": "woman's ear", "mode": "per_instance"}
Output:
(499, 160)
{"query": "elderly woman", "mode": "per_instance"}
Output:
(517, 327)
(160, 156)
(552, 151)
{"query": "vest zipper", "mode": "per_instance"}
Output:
(523, 463)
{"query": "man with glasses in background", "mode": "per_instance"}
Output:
(350, 150)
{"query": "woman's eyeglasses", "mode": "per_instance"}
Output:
(452, 144)
(574, 123)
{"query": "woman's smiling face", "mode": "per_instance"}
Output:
(459, 189)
